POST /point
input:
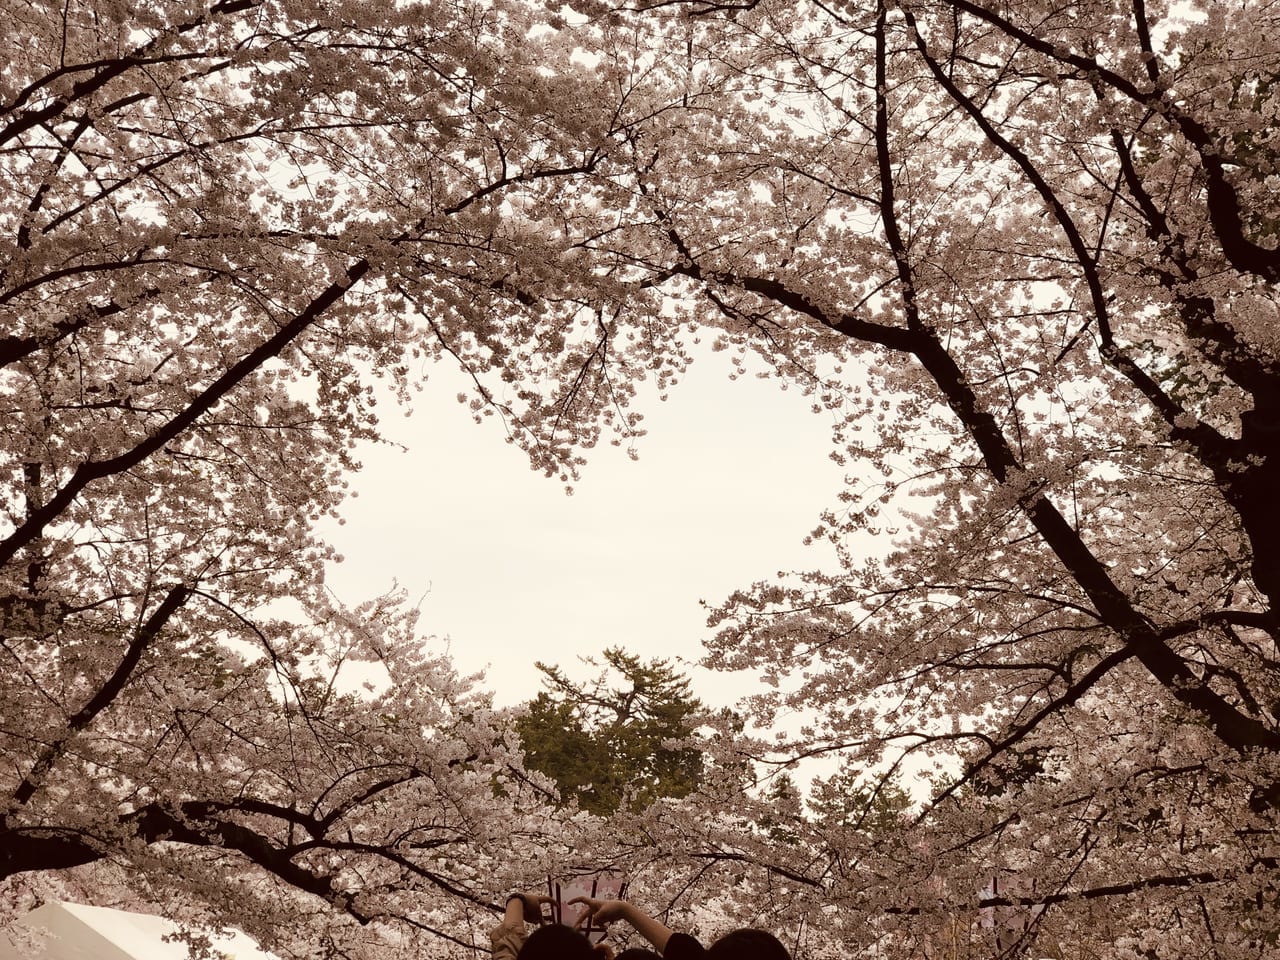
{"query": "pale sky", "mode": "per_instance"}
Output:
(731, 476)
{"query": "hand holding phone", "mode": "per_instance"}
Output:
(575, 901)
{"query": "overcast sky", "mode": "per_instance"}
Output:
(510, 569)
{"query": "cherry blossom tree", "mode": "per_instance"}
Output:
(1024, 255)
(221, 221)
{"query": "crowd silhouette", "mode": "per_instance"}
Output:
(558, 941)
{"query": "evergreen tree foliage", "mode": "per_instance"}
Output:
(609, 742)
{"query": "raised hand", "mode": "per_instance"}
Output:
(601, 911)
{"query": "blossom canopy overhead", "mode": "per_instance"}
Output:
(1023, 255)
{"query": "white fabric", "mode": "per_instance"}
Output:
(74, 931)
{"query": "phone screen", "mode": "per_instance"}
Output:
(601, 884)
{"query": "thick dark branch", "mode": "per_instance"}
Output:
(1222, 198)
(1239, 618)
(92, 470)
(103, 72)
(42, 191)
(884, 163)
(24, 849)
(106, 694)
(136, 259)
(1213, 448)
(895, 338)
(1144, 40)
(410, 774)
(1114, 608)
(13, 349)
(1069, 697)
(154, 823)
(1217, 340)
(589, 164)
(206, 824)
(210, 809)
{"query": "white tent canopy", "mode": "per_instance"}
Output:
(74, 931)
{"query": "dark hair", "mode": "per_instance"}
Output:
(748, 944)
(555, 941)
(638, 953)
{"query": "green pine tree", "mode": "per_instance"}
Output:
(604, 742)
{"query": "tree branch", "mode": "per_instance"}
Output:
(105, 695)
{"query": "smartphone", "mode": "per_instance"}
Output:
(601, 884)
